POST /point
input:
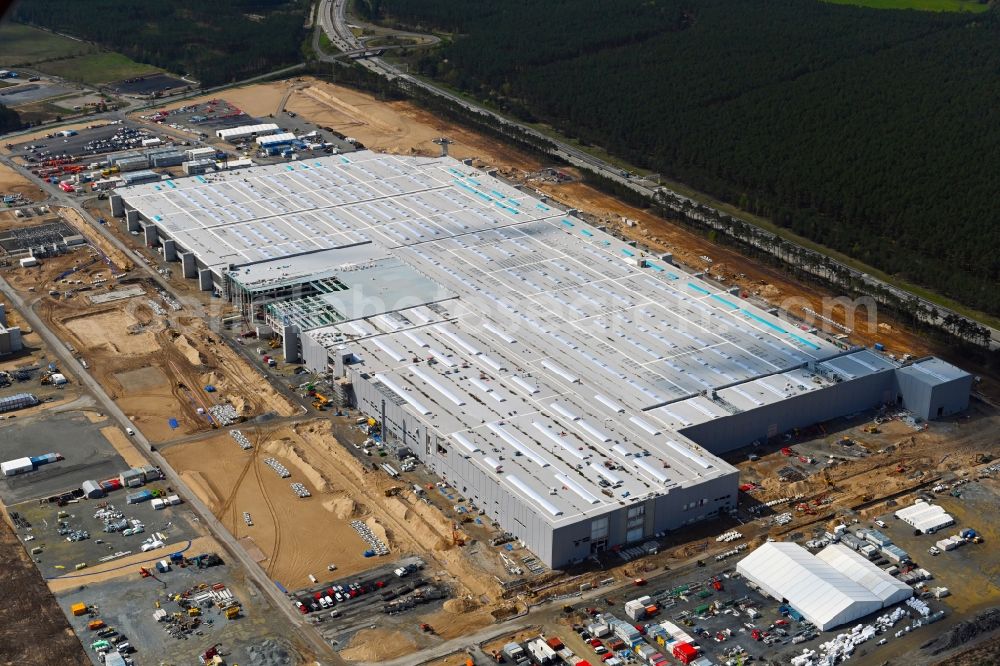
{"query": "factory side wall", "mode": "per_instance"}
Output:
(555, 546)
(738, 430)
(929, 399)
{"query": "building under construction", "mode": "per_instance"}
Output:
(573, 387)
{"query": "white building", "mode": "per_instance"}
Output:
(236, 134)
(830, 589)
(928, 518)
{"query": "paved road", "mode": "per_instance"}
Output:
(333, 20)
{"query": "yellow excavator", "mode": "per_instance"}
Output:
(320, 401)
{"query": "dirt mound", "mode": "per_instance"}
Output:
(201, 488)
(240, 404)
(460, 605)
(378, 530)
(378, 645)
(343, 508)
(964, 632)
(193, 356)
(290, 455)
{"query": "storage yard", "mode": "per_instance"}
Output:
(465, 452)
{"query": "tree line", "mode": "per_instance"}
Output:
(214, 42)
(873, 132)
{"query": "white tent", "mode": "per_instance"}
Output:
(928, 518)
(824, 595)
(862, 571)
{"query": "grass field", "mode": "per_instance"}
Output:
(97, 68)
(23, 45)
(921, 5)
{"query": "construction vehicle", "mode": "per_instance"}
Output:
(274, 343)
(320, 402)
(231, 612)
(426, 628)
(211, 656)
(456, 537)
(392, 492)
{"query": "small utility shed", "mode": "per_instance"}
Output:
(825, 596)
(92, 489)
(932, 388)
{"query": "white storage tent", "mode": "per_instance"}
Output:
(862, 571)
(928, 518)
(821, 593)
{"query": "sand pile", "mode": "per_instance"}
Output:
(460, 605)
(377, 645)
(193, 356)
(343, 508)
(378, 530)
(291, 456)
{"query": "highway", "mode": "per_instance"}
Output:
(333, 21)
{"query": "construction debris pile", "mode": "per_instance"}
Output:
(194, 606)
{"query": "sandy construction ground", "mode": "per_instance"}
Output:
(255, 100)
(156, 367)
(123, 445)
(296, 537)
(11, 182)
(303, 536)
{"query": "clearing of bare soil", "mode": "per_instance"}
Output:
(296, 537)
(123, 445)
(156, 368)
(33, 629)
(232, 481)
(122, 262)
(373, 645)
(11, 182)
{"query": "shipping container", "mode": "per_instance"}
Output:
(17, 466)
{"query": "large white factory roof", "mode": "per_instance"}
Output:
(559, 363)
(824, 595)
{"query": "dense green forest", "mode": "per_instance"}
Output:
(215, 42)
(874, 132)
(9, 120)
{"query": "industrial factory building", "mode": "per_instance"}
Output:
(574, 388)
(830, 589)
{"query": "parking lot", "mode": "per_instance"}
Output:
(86, 454)
(344, 606)
(86, 142)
